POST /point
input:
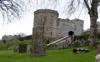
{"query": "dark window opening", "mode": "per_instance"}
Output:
(51, 34)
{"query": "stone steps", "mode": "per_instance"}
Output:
(64, 43)
(58, 44)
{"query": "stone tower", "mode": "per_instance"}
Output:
(47, 24)
(55, 27)
(47, 19)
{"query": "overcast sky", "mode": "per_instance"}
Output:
(25, 24)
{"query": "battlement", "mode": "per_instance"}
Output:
(46, 11)
(77, 20)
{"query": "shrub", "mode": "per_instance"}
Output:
(83, 36)
(4, 41)
(25, 38)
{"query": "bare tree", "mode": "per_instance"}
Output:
(91, 7)
(10, 9)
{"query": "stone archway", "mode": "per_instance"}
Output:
(70, 33)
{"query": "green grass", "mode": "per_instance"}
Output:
(63, 55)
(10, 46)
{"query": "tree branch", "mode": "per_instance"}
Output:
(87, 5)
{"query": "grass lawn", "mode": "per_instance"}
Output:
(63, 55)
(10, 46)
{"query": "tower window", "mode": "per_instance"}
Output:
(51, 33)
(75, 28)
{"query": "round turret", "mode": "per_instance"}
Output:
(48, 19)
(46, 16)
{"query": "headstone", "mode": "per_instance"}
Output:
(98, 48)
(22, 48)
(82, 43)
(80, 50)
(16, 50)
(65, 45)
(97, 57)
(28, 48)
(60, 46)
(38, 47)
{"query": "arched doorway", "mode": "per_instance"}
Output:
(71, 33)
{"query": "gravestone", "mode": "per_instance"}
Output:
(60, 46)
(98, 48)
(77, 44)
(22, 48)
(28, 48)
(97, 57)
(82, 43)
(16, 49)
(65, 45)
(80, 50)
(38, 47)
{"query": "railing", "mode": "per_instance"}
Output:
(59, 41)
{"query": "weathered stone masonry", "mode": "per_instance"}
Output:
(55, 27)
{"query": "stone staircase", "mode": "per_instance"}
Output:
(64, 43)
(59, 44)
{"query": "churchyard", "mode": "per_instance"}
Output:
(57, 55)
(60, 55)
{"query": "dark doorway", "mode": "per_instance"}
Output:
(71, 33)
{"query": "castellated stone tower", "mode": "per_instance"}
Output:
(47, 19)
(55, 27)
(66, 25)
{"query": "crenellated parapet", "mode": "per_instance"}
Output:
(46, 11)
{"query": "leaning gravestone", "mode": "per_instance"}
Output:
(38, 47)
(22, 48)
(80, 50)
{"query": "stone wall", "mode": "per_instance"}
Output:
(55, 27)
(9, 39)
(64, 44)
(48, 20)
(66, 25)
